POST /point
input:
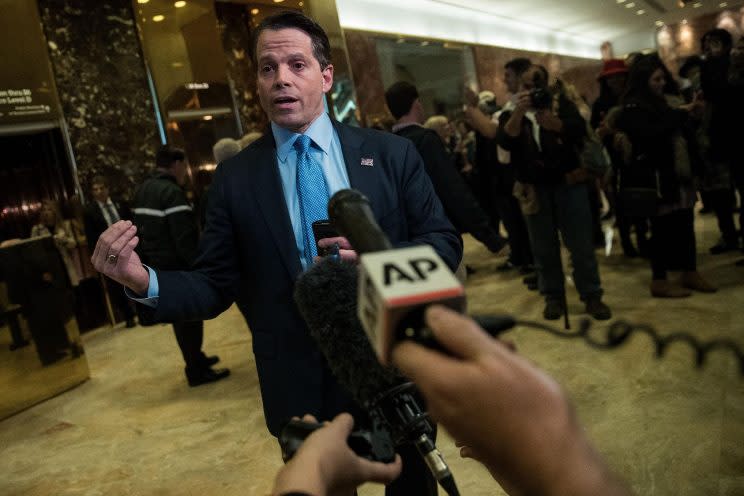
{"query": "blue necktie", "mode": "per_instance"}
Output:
(312, 192)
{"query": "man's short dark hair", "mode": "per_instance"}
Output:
(290, 19)
(718, 34)
(519, 65)
(167, 155)
(99, 180)
(400, 97)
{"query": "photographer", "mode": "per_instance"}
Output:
(544, 134)
(505, 412)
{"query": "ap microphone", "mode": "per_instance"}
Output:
(395, 284)
(326, 298)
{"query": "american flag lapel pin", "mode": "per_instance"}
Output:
(368, 162)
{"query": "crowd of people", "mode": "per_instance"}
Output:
(538, 165)
(651, 145)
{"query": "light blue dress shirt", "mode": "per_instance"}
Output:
(326, 150)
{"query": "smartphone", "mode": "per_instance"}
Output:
(323, 229)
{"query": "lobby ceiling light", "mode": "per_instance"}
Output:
(640, 12)
(278, 1)
(630, 5)
(620, 1)
(142, 1)
(158, 18)
(179, 4)
(209, 117)
(659, 24)
(723, 4)
(255, 11)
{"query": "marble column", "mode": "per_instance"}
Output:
(234, 23)
(102, 84)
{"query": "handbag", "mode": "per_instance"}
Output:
(593, 155)
(639, 201)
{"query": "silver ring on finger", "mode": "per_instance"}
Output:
(112, 259)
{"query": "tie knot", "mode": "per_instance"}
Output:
(302, 143)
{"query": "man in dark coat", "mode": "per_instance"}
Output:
(257, 240)
(169, 239)
(100, 213)
(461, 206)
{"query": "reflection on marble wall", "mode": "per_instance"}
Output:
(489, 63)
(582, 73)
(102, 85)
(676, 42)
(234, 25)
(365, 67)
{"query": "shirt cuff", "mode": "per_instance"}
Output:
(153, 291)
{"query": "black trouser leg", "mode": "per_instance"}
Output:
(190, 336)
(519, 240)
(722, 202)
(673, 243)
(119, 300)
(595, 205)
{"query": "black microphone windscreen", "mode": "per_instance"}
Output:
(351, 215)
(326, 296)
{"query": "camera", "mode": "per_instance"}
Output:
(541, 98)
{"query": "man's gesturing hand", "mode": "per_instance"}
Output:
(114, 257)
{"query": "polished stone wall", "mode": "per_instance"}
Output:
(365, 67)
(102, 85)
(234, 24)
(678, 41)
(582, 73)
(489, 64)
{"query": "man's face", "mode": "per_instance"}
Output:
(511, 80)
(656, 82)
(100, 192)
(291, 83)
(180, 171)
(713, 47)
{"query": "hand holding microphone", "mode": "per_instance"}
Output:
(326, 465)
(509, 414)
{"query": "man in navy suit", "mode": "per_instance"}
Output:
(100, 213)
(256, 240)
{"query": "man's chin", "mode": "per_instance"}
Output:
(291, 122)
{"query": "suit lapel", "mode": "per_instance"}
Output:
(267, 189)
(363, 178)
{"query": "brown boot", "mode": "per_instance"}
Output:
(665, 289)
(693, 280)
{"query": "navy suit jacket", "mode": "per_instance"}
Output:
(248, 254)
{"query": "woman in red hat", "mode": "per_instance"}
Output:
(612, 82)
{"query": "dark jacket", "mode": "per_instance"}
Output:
(248, 254)
(651, 128)
(165, 224)
(95, 222)
(559, 152)
(459, 203)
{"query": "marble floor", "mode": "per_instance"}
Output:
(136, 428)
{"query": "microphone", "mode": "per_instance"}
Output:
(395, 285)
(326, 298)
